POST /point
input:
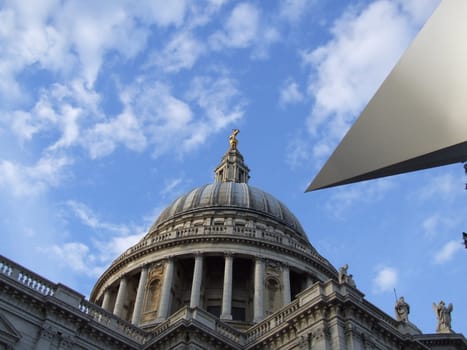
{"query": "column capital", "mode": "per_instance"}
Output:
(47, 332)
(228, 253)
(145, 265)
(198, 253)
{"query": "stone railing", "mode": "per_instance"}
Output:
(113, 322)
(309, 298)
(248, 232)
(26, 277)
(205, 319)
(229, 332)
(272, 322)
(71, 298)
(215, 229)
(245, 231)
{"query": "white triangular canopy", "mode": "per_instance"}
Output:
(418, 117)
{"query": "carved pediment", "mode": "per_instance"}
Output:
(8, 333)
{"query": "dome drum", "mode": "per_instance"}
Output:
(280, 282)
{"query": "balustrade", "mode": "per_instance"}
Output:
(26, 277)
(272, 322)
(113, 322)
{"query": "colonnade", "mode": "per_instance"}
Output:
(195, 297)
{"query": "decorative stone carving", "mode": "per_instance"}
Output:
(343, 277)
(156, 271)
(402, 310)
(273, 268)
(443, 315)
(66, 342)
(153, 292)
(48, 333)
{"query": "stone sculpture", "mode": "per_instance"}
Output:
(402, 310)
(443, 315)
(343, 277)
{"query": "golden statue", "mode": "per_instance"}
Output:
(233, 139)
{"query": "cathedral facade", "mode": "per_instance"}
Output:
(225, 266)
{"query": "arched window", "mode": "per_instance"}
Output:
(153, 293)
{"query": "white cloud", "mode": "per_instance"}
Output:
(110, 249)
(430, 225)
(444, 186)
(437, 224)
(61, 108)
(88, 218)
(92, 259)
(347, 197)
(62, 36)
(22, 180)
(163, 13)
(69, 125)
(298, 151)
(347, 70)
(89, 260)
(290, 93)
(419, 10)
(243, 29)
(170, 186)
(102, 139)
(447, 251)
(293, 10)
(77, 257)
(385, 280)
(220, 103)
(240, 29)
(181, 52)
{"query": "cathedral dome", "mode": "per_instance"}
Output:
(228, 248)
(231, 195)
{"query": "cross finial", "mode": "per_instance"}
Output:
(233, 139)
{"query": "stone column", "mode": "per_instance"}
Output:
(143, 277)
(106, 300)
(121, 296)
(227, 292)
(286, 284)
(197, 279)
(258, 309)
(166, 295)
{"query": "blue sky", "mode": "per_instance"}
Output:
(109, 110)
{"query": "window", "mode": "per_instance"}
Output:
(214, 310)
(238, 314)
(152, 296)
